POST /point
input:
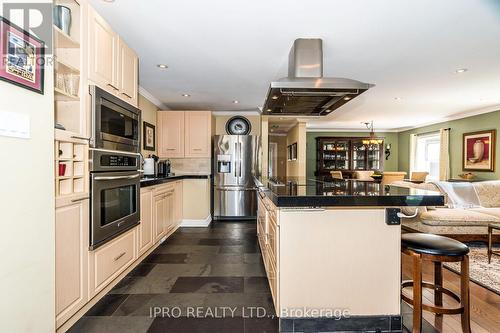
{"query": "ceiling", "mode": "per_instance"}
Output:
(225, 50)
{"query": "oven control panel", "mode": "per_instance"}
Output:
(118, 160)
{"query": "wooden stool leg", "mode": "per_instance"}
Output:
(438, 282)
(465, 294)
(417, 294)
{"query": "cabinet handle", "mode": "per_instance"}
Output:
(125, 94)
(80, 199)
(112, 86)
(119, 256)
(170, 148)
(197, 149)
(80, 138)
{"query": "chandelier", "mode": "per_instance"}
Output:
(372, 140)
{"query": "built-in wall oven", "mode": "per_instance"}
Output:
(115, 194)
(115, 123)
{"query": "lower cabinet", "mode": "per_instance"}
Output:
(163, 210)
(178, 215)
(72, 239)
(108, 261)
(145, 229)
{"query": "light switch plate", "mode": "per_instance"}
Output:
(14, 124)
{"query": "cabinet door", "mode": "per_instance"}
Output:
(170, 126)
(170, 210)
(178, 203)
(197, 136)
(145, 230)
(159, 214)
(72, 240)
(128, 70)
(102, 52)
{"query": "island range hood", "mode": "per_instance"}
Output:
(305, 92)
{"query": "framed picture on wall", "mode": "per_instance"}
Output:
(148, 136)
(292, 152)
(22, 57)
(479, 151)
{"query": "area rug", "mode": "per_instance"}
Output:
(482, 273)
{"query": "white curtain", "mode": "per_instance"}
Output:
(444, 154)
(413, 151)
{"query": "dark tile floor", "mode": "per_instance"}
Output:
(200, 280)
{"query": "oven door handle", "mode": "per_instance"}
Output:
(116, 177)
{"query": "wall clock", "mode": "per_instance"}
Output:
(238, 125)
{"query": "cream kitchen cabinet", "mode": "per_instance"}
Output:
(170, 133)
(178, 214)
(163, 211)
(184, 134)
(102, 52)
(197, 132)
(72, 240)
(128, 73)
(112, 64)
(145, 229)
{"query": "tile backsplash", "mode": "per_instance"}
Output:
(199, 166)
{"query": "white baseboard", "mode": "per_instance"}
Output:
(197, 223)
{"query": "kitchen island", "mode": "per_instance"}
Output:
(331, 249)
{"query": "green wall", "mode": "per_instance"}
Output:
(390, 165)
(458, 127)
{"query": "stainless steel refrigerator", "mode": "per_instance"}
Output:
(236, 162)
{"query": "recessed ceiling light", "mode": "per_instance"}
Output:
(347, 98)
(268, 110)
(397, 98)
(236, 101)
(274, 97)
(108, 1)
(162, 66)
(461, 70)
(186, 95)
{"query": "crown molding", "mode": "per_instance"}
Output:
(146, 94)
(457, 116)
(350, 130)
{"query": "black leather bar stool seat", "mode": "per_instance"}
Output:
(437, 249)
(433, 245)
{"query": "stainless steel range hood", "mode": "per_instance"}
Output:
(305, 92)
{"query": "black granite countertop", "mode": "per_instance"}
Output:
(326, 191)
(150, 181)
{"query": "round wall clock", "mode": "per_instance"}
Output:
(238, 125)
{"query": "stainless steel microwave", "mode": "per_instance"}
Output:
(115, 123)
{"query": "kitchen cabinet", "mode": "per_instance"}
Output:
(110, 260)
(178, 206)
(102, 52)
(170, 134)
(128, 72)
(197, 131)
(71, 235)
(112, 64)
(145, 229)
(184, 134)
(163, 211)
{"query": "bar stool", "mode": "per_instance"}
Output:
(437, 249)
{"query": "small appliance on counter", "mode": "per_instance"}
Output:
(163, 168)
(150, 166)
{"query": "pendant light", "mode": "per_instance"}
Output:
(372, 140)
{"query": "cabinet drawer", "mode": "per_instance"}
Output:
(111, 259)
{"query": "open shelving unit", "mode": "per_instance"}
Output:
(70, 146)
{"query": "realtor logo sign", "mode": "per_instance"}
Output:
(34, 18)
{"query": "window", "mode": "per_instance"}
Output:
(425, 153)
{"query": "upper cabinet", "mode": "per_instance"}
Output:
(128, 73)
(112, 64)
(184, 134)
(197, 130)
(170, 133)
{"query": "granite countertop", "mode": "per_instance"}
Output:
(326, 191)
(150, 181)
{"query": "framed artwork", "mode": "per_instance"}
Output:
(479, 151)
(148, 136)
(22, 57)
(292, 152)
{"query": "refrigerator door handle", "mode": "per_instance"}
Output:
(240, 158)
(236, 162)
